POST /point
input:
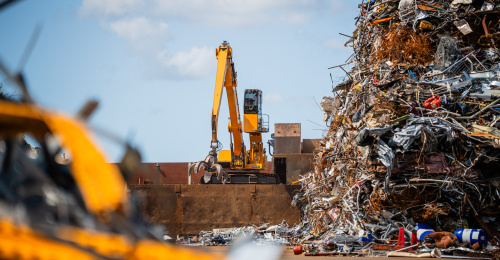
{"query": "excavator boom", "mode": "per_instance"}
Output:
(226, 77)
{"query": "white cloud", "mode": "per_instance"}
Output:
(138, 27)
(238, 12)
(195, 63)
(109, 7)
(273, 98)
(145, 23)
(147, 37)
(215, 12)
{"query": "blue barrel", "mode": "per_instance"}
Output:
(365, 240)
(472, 236)
(423, 230)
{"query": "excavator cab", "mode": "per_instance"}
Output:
(254, 120)
(253, 101)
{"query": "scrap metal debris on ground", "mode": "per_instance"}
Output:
(262, 235)
(414, 136)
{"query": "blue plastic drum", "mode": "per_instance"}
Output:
(423, 230)
(472, 236)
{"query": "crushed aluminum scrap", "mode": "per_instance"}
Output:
(262, 235)
(414, 134)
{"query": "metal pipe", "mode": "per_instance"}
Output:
(479, 112)
(464, 257)
(436, 253)
(408, 247)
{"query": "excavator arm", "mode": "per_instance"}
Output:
(219, 85)
(225, 77)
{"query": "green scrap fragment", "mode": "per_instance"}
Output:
(399, 119)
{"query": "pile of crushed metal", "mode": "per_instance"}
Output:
(414, 136)
(262, 235)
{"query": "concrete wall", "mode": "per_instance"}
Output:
(287, 138)
(310, 145)
(189, 209)
(291, 158)
(296, 165)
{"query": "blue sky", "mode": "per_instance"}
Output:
(151, 63)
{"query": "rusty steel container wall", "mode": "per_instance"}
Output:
(189, 209)
(175, 173)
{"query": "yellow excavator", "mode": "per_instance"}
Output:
(78, 210)
(54, 209)
(72, 210)
(236, 165)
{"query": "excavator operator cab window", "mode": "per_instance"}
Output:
(253, 101)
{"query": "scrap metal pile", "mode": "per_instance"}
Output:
(262, 235)
(414, 131)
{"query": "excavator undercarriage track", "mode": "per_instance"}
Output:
(244, 177)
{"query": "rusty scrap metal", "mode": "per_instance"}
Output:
(414, 131)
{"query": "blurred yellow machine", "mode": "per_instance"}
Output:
(81, 210)
(236, 165)
(76, 209)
